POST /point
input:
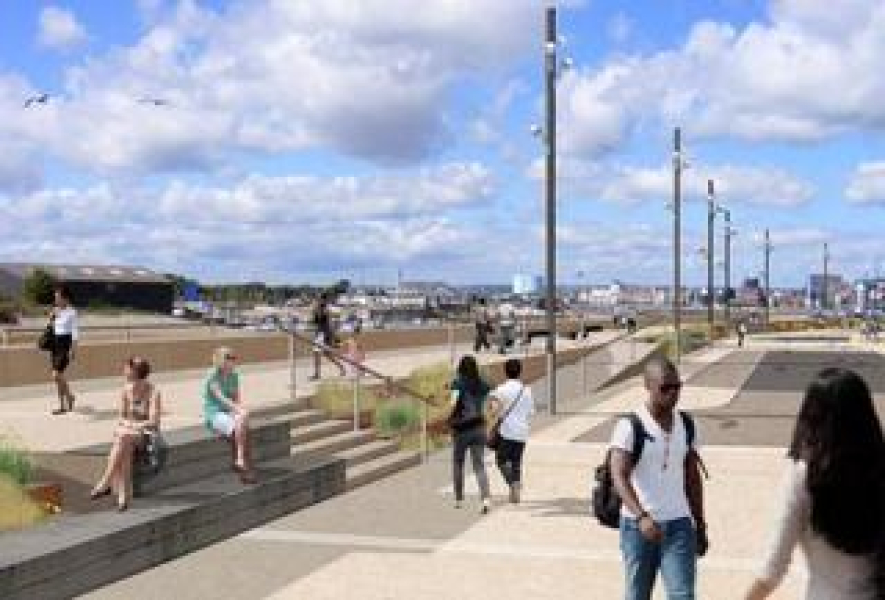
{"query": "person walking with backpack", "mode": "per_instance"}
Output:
(834, 499)
(513, 401)
(469, 394)
(662, 526)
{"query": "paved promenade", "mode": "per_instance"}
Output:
(24, 411)
(402, 538)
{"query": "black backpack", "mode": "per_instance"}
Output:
(605, 502)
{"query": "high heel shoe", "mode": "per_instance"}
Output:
(96, 494)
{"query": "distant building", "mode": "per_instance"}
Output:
(123, 287)
(833, 284)
(527, 284)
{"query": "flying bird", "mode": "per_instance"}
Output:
(36, 99)
(154, 101)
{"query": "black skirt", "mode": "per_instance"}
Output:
(60, 357)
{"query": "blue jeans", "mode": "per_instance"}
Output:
(675, 556)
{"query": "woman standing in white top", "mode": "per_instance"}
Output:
(835, 497)
(66, 330)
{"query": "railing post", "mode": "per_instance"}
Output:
(293, 355)
(356, 401)
(425, 442)
(452, 356)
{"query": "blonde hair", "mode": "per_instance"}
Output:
(220, 355)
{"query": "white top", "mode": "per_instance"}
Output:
(659, 476)
(516, 426)
(832, 574)
(65, 322)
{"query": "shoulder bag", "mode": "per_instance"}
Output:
(493, 439)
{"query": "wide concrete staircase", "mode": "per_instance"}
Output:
(366, 457)
(302, 458)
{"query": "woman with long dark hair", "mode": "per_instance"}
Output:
(835, 500)
(469, 394)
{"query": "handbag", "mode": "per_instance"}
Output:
(493, 439)
(151, 455)
(46, 341)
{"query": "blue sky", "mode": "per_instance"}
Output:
(318, 139)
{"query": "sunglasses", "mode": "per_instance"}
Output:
(230, 357)
(666, 388)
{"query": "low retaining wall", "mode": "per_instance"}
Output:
(72, 555)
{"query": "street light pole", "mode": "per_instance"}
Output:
(550, 72)
(677, 245)
(767, 276)
(727, 268)
(825, 298)
(711, 284)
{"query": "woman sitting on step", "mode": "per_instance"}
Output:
(224, 412)
(139, 415)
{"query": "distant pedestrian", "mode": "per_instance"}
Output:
(66, 334)
(834, 500)
(741, 330)
(513, 402)
(482, 325)
(224, 412)
(140, 411)
(324, 339)
(354, 352)
(469, 394)
(662, 515)
(507, 328)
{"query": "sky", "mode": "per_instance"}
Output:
(295, 141)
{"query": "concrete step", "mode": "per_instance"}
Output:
(329, 445)
(307, 433)
(382, 467)
(74, 554)
(366, 452)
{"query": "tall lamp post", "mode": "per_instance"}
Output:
(550, 73)
(825, 298)
(727, 265)
(678, 165)
(767, 276)
(711, 284)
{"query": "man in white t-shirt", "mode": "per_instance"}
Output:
(662, 519)
(513, 400)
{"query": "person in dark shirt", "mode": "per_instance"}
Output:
(324, 340)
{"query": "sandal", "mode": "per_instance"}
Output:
(59, 411)
(96, 494)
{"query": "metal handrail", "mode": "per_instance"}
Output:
(390, 381)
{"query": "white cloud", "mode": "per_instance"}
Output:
(867, 185)
(260, 225)
(631, 185)
(768, 81)
(59, 29)
(370, 79)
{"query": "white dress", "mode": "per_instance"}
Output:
(832, 574)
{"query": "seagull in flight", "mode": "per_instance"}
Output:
(154, 101)
(37, 99)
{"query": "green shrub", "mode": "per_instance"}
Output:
(397, 416)
(15, 463)
(336, 398)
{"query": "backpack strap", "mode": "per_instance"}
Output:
(639, 436)
(688, 423)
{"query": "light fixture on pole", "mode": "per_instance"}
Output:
(727, 233)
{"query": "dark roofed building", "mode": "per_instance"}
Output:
(118, 286)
